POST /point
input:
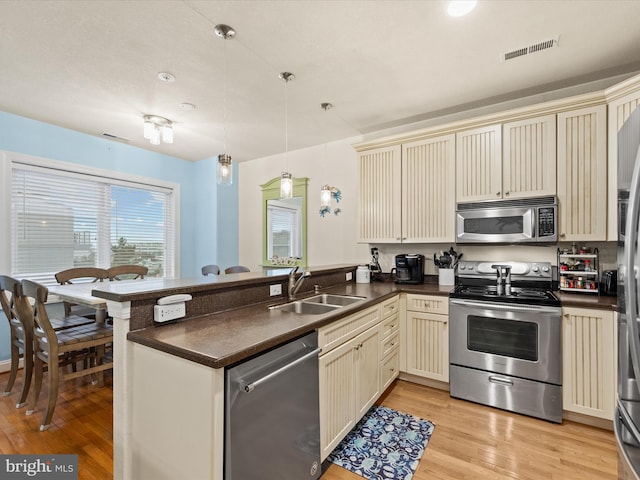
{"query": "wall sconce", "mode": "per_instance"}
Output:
(326, 194)
(225, 171)
(156, 128)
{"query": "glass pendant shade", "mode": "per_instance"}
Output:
(167, 134)
(148, 129)
(225, 170)
(325, 196)
(286, 185)
(155, 136)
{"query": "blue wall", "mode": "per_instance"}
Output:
(200, 222)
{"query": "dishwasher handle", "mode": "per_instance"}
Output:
(250, 387)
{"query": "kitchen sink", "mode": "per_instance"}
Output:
(305, 308)
(333, 299)
(318, 304)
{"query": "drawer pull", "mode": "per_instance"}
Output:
(392, 344)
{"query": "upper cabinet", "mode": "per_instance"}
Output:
(513, 160)
(582, 174)
(406, 192)
(479, 164)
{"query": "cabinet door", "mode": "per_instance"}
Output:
(379, 205)
(428, 345)
(619, 111)
(367, 376)
(428, 186)
(589, 374)
(337, 396)
(582, 174)
(479, 164)
(529, 157)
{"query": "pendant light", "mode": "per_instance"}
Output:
(325, 192)
(224, 168)
(286, 179)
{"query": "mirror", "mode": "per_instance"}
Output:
(284, 224)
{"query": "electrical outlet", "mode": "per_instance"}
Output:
(275, 290)
(164, 313)
(349, 276)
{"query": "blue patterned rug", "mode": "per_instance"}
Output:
(385, 444)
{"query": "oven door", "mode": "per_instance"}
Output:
(517, 340)
(496, 225)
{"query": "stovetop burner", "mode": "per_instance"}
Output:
(531, 284)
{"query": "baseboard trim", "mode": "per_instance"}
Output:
(427, 382)
(5, 365)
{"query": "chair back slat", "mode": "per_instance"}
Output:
(88, 274)
(236, 269)
(132, 272)
(210, 270)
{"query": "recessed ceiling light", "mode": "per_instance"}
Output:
(187, 106)
(459, 8)
(167, 77)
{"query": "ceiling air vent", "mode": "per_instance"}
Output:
(530, 49)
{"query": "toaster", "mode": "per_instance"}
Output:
(609, 283)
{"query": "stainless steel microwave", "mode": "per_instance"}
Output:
(529, 220)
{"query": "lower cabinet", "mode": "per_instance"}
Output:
(589, 362)
(427, 336)
(349, 382)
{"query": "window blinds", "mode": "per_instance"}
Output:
(63, 219)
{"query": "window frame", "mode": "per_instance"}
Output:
(12, 159)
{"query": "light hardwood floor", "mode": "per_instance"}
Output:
(469, 442)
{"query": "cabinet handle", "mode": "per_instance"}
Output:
(392, 344)
(392, 325)
(392, 369)
(507, 192)
(398, 238)
(563, 235)
(498, 194)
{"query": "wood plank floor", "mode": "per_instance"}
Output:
(469, 442)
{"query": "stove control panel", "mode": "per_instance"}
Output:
(524, 270)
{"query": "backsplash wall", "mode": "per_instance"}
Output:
(529, 253)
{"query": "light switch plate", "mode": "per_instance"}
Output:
(275, 290)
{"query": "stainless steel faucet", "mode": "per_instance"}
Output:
(294, 285)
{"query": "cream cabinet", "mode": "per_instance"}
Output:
(407, 192)
(625, 98)
(582, 174)
(479, 164)
(427, 336)
(389, 342)
(349, 374)
(589, 362)
(510, 160)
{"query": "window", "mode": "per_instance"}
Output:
(283, 221)
(62, 219)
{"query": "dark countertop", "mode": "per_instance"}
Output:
(222, 339)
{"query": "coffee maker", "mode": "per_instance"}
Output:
(409, 268)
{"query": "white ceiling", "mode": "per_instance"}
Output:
(92, 66)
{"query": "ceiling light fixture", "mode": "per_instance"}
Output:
(225, 170)
(286, 179)
(158, 128)
(459, 8)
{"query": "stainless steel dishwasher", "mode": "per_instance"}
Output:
(272, 417)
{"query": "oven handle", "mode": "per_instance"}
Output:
(506, 307)
(500, 380)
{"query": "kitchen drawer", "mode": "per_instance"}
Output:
(389, 369)
(390, 307)
(390, 325)
(340, 331)
(390, 343)
(428, 303)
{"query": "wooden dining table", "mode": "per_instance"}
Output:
(80, 293)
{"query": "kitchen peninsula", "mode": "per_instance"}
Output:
(169, 378)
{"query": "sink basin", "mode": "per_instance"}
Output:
(305, 308)
(333, 299)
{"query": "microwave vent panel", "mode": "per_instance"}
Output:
(537, 47)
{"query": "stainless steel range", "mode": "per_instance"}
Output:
(505, 339)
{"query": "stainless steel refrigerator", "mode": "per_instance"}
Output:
(627, 416)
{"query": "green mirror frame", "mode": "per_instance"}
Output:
(271, 191)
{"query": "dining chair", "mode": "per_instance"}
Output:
(236, 269)
(21, 337)
(77, 275)
(210, 270)
(54, 350)
(128, 272)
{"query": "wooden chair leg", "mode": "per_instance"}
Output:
(28, 373)
(15, 359)
(54, 382)
(38, 368)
